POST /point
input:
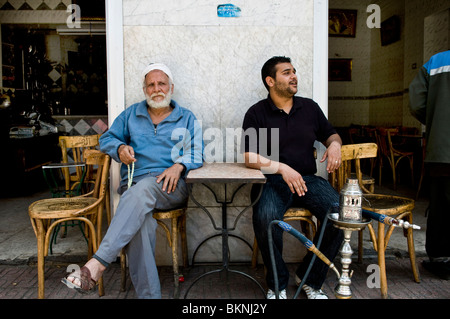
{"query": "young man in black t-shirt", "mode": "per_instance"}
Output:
(286, 127)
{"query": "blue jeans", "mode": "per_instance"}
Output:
(276, 198)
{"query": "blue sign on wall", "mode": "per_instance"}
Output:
(228, 11)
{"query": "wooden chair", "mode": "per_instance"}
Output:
(351, 166)
(73, 146)
(296, 213)
(392, 153)
(46, 214)
(177, 218)
(397, 207)
(351, 156)
(362, 135)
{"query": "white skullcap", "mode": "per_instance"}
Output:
(156, 66)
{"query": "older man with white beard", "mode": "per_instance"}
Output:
(162, 141)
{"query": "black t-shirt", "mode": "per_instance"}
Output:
(287, 138)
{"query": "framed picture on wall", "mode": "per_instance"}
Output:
(340, 70)
(390, 30)
(342, 23)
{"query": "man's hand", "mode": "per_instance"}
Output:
(126, 154)
(170, 176)
(333, 153)
(293, 179)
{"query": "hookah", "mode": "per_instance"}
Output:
(351, 217)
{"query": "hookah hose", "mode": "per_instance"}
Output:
(307, 243)
(387, 220)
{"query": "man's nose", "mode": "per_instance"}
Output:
(158, 88)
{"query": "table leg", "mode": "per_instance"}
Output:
(225, 259)
(224, 234)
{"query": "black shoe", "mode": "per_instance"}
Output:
(438, 268)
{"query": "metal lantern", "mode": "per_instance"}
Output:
(350, 202)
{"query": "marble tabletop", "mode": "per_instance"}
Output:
(225, 173)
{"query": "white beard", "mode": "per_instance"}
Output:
(159, 105)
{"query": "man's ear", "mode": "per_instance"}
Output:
(270, 81)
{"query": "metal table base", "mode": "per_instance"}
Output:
(224, 234)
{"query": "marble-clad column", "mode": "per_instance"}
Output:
(216, 64)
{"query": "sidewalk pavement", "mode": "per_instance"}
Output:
(20, 282)
(18, 272)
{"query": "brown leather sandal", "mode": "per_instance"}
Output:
(88, 285)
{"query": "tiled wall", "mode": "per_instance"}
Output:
(82, 125)
(348, 101)
(378, 94)
(29, 5)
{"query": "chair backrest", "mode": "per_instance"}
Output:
(74, 146)
(384, 140)
(352, 154)
(102, 161)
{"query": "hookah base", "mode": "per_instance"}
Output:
(343, 292)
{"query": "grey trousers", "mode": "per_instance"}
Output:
(134, 225)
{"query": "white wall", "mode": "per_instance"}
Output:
(216, 62)
(216, 65)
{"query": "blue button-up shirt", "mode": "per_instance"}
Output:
(176, 139)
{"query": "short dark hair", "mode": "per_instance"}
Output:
(269, 68)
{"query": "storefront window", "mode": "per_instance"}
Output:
(53, 73)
